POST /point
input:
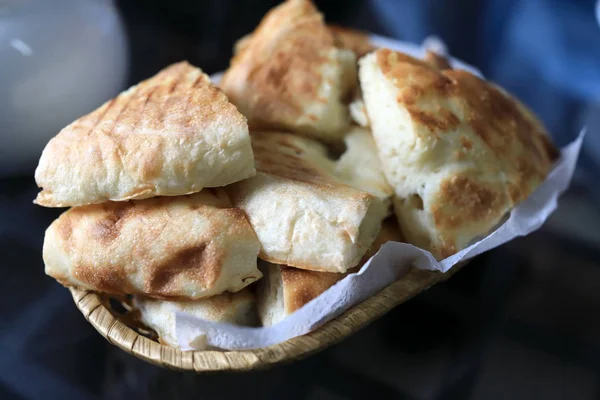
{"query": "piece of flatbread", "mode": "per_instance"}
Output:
(302, 214)
(458, 152)
(358, 113)
(288, 74)
(172, 134)
(185, 247)
(232, 308)
(284, 290)
(359, 166)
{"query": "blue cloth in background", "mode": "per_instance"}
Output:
(546, 52)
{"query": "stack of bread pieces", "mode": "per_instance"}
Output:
(183, 194)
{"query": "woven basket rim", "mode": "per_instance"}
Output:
(119, 334)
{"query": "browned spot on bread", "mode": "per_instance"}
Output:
(302, 286)
(107, 279)
(440, 121)
(200, 264)
(108, 228)
(65, 228)
(65, 231)
(416, 78)
(494, 117)
(465, 200)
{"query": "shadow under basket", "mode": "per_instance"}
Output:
(122, 332)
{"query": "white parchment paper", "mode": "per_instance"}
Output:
(389, 264)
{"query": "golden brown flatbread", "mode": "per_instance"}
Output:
(172, 134)
(289, 74)
(459, 152)
(185, 247)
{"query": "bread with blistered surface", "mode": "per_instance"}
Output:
(288, 74)
(185, 247)
(172, 134)
(302, 214)
(232, 308)
(458, 152)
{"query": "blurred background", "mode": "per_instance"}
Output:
(519, 322)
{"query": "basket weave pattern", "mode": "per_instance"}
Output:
(102, 317)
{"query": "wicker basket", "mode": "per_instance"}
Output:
(102, 316)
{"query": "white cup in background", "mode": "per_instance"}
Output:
(59, 59)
